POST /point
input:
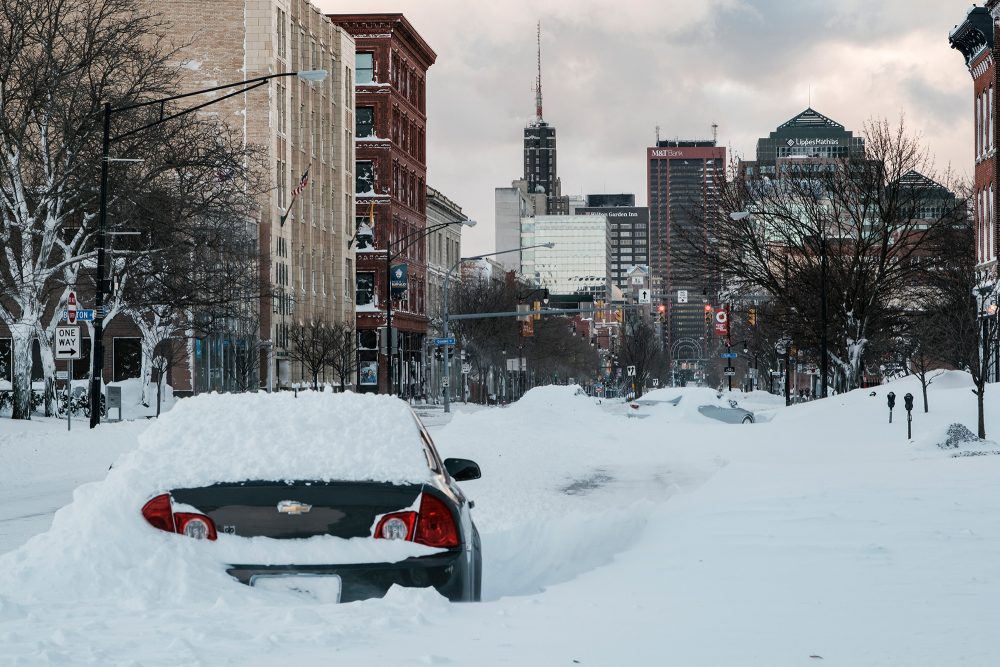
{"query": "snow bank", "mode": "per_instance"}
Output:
(100, 545)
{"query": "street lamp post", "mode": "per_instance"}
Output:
(97, 376)
(447, 322)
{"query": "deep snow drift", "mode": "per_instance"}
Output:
(606, 540)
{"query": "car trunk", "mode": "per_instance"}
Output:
(342, 509)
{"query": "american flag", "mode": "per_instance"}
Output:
(303, 182)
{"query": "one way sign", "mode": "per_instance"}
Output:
(67, 342)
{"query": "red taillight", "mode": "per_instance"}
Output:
(159, 513)
(435, 526)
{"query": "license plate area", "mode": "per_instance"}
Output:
(318, 587)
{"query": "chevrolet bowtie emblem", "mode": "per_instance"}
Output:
(293, 507)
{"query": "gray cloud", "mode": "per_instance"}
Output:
(614, 71)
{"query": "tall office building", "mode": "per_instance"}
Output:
(540, 153)
(628, 232)
(808, 138)
(684, 182)
(390, 174)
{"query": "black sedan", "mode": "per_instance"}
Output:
(434, 513)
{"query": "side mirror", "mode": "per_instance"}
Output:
(462, 470)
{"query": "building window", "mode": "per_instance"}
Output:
(127, 361)
(364, 66)
(364, 177)
(365, 293)
(364, 123)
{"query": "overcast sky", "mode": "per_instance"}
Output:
(614, 70)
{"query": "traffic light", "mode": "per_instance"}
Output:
(536, 306)
(752, 317)
(661, 309)
(708, 315)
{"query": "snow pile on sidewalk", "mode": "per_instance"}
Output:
(101, 545)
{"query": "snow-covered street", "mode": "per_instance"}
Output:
(821, 534)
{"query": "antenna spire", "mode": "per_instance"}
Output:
(538, 81)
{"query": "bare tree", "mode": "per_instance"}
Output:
(344, 355)
(313, 345)
(639, 348)
(835, 245)
(60, 61)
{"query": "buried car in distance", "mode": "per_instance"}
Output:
(340, 475)
(708, 402)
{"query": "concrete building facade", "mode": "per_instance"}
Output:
(444, 251)
(579, 263)
(628, 231)
(302, 128)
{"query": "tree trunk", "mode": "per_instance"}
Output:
(923, 386)
(159, 391)
(148, 345)
(981, 390)
(21, 377)
(49, 373)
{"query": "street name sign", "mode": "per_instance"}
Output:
(68, 343)
(444, 341)
(728, 355)
(81, 315)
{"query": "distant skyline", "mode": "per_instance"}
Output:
(613, 73)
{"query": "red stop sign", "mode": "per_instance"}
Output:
(71, 308)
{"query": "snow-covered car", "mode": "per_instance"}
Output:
(371, 475)
(673, 403)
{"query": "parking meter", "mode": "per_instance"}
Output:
(891, 397)
(908, 404)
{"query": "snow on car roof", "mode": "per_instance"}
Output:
(316, 436)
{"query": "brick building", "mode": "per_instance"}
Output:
(977, 39)
(391, 192)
